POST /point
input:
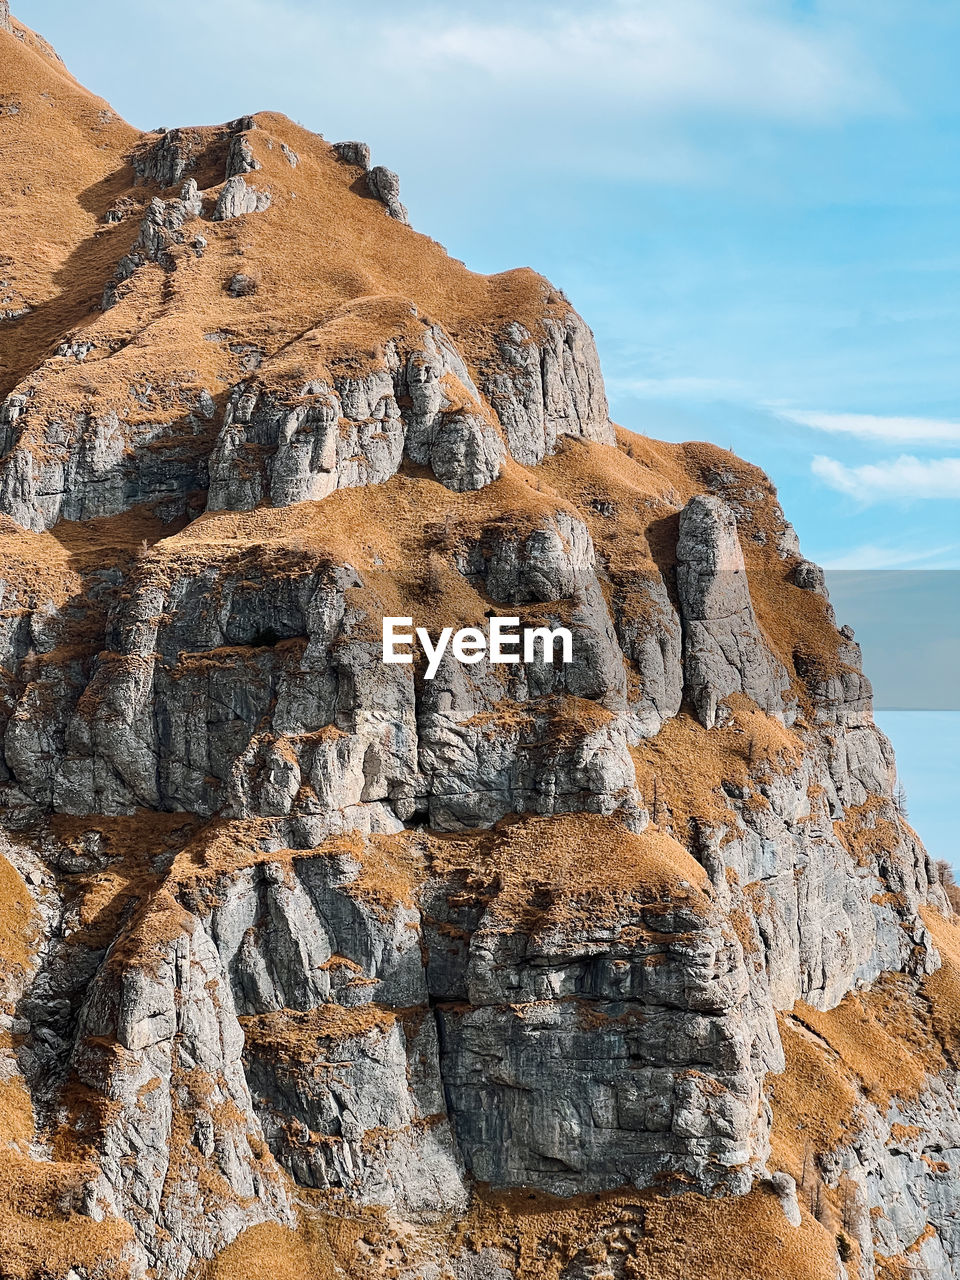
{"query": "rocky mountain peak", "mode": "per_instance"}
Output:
(627, 965)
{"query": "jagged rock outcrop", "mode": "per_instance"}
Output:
(385, 185)
(160, 229)
(444, 970)
(724, 652)
(159, 1047)
(567, 1052)
(303, 698)
(382, 183)
(320, 974)
(166, 161)
(353, 432)
(240, 157)
(357, 153)
(548, 388)
(649, 634)
(241, 285)
(96, 464)
(899, 1178)
(237, 199)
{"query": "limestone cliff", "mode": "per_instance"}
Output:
(626, 968)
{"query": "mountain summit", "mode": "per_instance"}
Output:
(626, 967)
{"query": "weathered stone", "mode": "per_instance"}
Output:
(237, 199)
(546, 387)
(177, 1053)
(385, 185)
(240, 157)
(786, 1189)
(357, 153)
(160, 231)
(810, 577)
(724, 651)
(241, 285)
(567, 1071)
(167, 160)
(354, 432)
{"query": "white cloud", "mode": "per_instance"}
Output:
(874, 556)
(729, 55)
(902, 478)
(682, 387)
(870, 426)
(562, 60)
(473, 97)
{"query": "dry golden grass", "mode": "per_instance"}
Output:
(680, 772)
(942, 989)
(655, 1238)
(272, 1252)
(571, 872)
(306, 1039)
(18, 923)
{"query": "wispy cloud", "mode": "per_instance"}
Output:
(875, 556)
(870, 426)
(611, 87)
(680, 387)
(733, 56)
(899, 479)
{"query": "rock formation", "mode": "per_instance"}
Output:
(611, 970)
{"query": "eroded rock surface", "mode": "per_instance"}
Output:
(724, 652)
(312, 959)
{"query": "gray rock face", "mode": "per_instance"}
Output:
(169, 1080)
(241, 286)
(5, 23)
(166, 161)
(161, 229)
(546, 388)
(649, 634)
(568, 1070)
(382, 1139)
(319, 975)
(95, 465)
(811, 577)
(237, 199)
(478, 1035)
(822, 925)
(786, 1189)
(138, 748)
(354, 432)
(357, 153)
(385, 185)
(724, 652)
(240, 157)
(901, 1177)
(303, 700)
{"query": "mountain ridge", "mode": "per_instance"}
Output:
(311, 964)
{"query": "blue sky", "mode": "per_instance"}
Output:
(756, 205)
